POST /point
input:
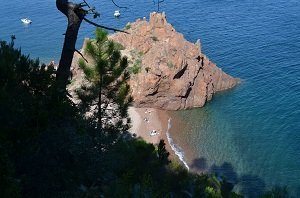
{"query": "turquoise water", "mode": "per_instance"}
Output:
(251, 133)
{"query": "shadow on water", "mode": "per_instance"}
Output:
(225, 170)
(248, 185)
(199, 164)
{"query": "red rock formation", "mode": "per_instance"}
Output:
(173, 72)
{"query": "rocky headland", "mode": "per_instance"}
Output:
(167, 71)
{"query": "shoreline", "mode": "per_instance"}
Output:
(145, 120)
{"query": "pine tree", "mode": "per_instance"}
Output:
(106, 93)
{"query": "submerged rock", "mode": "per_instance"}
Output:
(168, 72)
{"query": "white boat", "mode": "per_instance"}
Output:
(117, 13)
(26, 21)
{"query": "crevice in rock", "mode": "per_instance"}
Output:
(206, 94)
(153, 93)
(181, 71)
(187, 92)
(155, 88)
(194, 79)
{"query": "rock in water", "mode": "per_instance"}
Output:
(168, 72)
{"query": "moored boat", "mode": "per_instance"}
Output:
(26, 21)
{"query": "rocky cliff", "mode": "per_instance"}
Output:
(171, 73)
(167, 71)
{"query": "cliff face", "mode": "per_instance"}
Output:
(168, 71)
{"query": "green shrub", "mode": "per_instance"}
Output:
(136, 68)
(170, 65)
(128, 26)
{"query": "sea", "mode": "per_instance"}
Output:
(250, 134)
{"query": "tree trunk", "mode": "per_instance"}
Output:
(75, 15)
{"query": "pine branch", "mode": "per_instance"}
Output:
(86, 4)
(118, 5)
(76, 50)
(104, 27)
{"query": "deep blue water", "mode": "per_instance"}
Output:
(250, 133)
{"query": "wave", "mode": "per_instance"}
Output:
(177, 149)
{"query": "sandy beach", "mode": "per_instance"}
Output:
(149, 124)
(145, 120)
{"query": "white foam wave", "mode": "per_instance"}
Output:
(177, 149)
